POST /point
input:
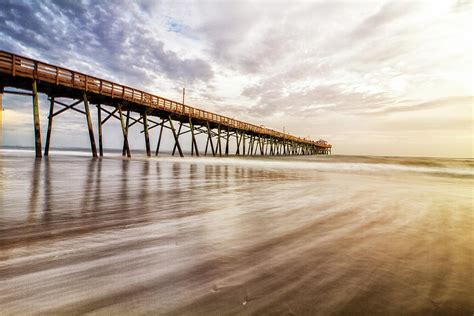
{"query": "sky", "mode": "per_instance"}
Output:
(370, 77)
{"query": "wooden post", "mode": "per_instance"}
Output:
(237, 141)
(219, 140)
(209, 137)
(89, 125)
(243, 144)
(176, 144)
(227, 143)
(124, 132)
(36, 120)
(159, 137)
(124, 149)
(250, 152)
(147, 136)
(193, 143)
(254, 145)
(99, 121)
(50, 127)
(176, 137)
(271, 146)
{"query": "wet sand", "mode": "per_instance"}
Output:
(294, 236)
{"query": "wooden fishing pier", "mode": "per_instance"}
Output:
(120, 102)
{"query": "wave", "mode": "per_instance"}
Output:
(337, 163)
(328, 166)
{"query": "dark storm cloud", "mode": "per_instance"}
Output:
(83, 32)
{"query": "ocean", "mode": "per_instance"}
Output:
(305, 235)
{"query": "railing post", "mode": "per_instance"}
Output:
(14, 65)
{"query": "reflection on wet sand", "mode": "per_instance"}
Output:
(116, 236)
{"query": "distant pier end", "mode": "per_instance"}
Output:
(120, 102)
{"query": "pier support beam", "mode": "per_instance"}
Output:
(193, 140)
(50, 126)
(219, 140)
(147, 136)
(176, 135)
(89, 126)
(239, 141)
(99, 121)
(237, 151)
(227, 143)
(209, 140)
(159, 137)
(127, 123)
(124, 132)
(36, 120)
(250, 151)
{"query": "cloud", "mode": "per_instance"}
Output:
(387, 14)
(464, 101)
(81, 33)
(321, 98)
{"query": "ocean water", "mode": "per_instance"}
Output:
(305, 235)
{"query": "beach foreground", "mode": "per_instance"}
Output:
(290, 236)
